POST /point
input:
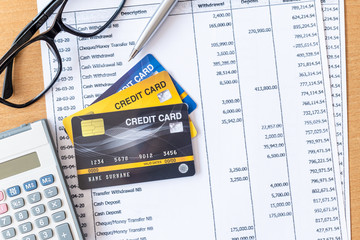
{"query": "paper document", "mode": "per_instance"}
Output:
(334, 21)
(266, 154)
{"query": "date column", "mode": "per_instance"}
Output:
(66, 94)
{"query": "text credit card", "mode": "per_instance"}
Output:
(145, 68)
(133, 146)
(157, 90)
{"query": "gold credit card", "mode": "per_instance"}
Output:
(157, 90)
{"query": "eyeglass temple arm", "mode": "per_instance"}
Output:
(26, 34)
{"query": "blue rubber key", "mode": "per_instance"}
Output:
(47, 180)
(31, 185)
(13, 191)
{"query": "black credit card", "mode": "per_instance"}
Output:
(133, 146)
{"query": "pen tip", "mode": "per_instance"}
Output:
(133, 54)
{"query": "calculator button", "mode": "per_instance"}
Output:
(38, 210)
(51, 192)
(3, 208)
(46, 234)
(5, 221)
(55, 204)
(25, 228)
(9, 233)
(64, 232)
(59, 216)
(22, 215)
(17, 203)
(42, 222)
(2, 196)
(31, 185)
(13, 191)
(47, 180)
(30, 237)
(34, 197)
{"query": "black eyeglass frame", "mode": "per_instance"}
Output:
(24, 39)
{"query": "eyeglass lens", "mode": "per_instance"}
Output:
(28, 63)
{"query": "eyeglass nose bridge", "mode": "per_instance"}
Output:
(53, 31)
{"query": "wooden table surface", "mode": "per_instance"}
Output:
(15, 14)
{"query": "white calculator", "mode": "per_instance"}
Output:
(34, 200)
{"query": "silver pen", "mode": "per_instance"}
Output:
(161, 13)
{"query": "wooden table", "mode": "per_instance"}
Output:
(15, 14)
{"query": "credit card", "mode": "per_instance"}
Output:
(133, 146)
(145, 68)
(157, 90)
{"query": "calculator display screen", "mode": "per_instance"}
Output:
(19, 165)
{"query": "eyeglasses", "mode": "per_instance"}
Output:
(25, 41)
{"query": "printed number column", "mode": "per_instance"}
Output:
(333, 11)
(265, 140)
(223, 119)
(66, 94)
(333, 33)
(302, 81)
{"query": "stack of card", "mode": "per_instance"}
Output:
(137, 131)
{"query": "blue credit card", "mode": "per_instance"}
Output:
(147, 67)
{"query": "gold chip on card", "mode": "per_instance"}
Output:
(92, 127)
